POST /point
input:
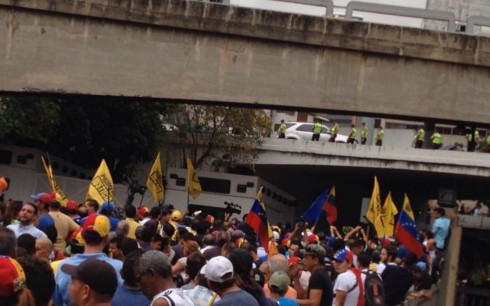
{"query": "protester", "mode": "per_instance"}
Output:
(65, 225)
(278, 286)
(26, 245)
(93, 282)
(95, 233)
(440, 227)
(8, 242)
(115, 248)
(39, 278)
(278, 262)
(319, 291)
(13, 291)
(27, 214)
(220, 276)
(398, 279)
(154, 275)
(46, 250)
(348, 288)
(130, 293)
(130, 213)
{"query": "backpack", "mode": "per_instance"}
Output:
(374, 294)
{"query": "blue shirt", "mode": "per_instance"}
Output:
(18, 229)
(237, 298)
(61, 296)
(440, 228)
(125, 296)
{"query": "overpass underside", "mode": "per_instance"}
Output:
(209, 53)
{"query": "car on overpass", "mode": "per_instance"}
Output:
(304, 131)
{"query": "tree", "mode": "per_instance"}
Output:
(227, 134)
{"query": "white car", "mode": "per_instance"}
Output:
(304, 131)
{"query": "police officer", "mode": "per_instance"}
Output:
(364, 133)
(334, 130)
(317, 129)
(379, 136)
(419, 138)
(282, 130)
(472, 144)
(436, 140)
(353, 134)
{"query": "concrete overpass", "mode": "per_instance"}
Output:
(210, 53)
(324, 154)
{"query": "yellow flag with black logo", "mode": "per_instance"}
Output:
(101, 187)
(193, 184)
(60, 195)
(374, 211)
(389, 211)
(155, 180)
(407, 208)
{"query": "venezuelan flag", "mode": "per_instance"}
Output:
(257, 220)
(406, 232)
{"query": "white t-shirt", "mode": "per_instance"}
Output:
(380, 268)
(174, 296)
(345, 282)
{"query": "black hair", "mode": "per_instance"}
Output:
(440, 211)
(39, 278)
(195, 262)
(28, 243)
(127, 268)
(128, 245)
(93, 203)
(118, 241)
(55, 205)
(36, 209)
(169, 230)
(364, 259)
(242, 265)
(8, 242)
(410, 259)
(155, 212)
(130, 211)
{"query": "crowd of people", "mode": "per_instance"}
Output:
(85, 254)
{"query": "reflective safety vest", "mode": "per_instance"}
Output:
(488, 143)
(317, 128)
(364, 132)
(421, 135)
(469, 136)
(380, 135)
(436, 138)
(353, 133)
(282, 128)
(335, 129)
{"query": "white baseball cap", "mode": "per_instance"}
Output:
(218, 269)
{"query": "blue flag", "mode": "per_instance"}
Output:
(313, 212)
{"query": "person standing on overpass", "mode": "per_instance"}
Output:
(353, 134)
(364, 133)
(334, 130)
(379, 136)
(317, 129)
(282, 130)
(436, 140)
(472, 142)
(419, 138)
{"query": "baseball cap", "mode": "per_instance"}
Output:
(72, 205)
(77, 238)
(218, 269)
(342, 255)
(96, 224)
(279, 281)
(44, 197)
(209, 218)
(13, 277)
(4, 185)
(45, 221)
(313, 239)
(107, 206)
(143, 211)
(294, 260)
(315, 250)
(99, 275)
(176, 215)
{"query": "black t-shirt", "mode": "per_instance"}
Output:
(320, 280)
(396, 282)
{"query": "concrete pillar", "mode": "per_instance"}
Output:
(450, 273)
(430, 128)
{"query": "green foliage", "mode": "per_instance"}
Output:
(29, 118)
(227, 134)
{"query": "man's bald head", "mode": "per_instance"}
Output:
(277, 262)
(44, 247)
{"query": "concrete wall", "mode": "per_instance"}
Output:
(206, 52)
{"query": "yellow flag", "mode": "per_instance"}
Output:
(155, 180)
(101, 187)
(193, 184)
(374, 211)
(60, 195)
(388, 213)
(407, 208)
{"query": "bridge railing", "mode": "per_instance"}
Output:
(452, 24)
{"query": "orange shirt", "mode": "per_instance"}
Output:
(291, 293)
